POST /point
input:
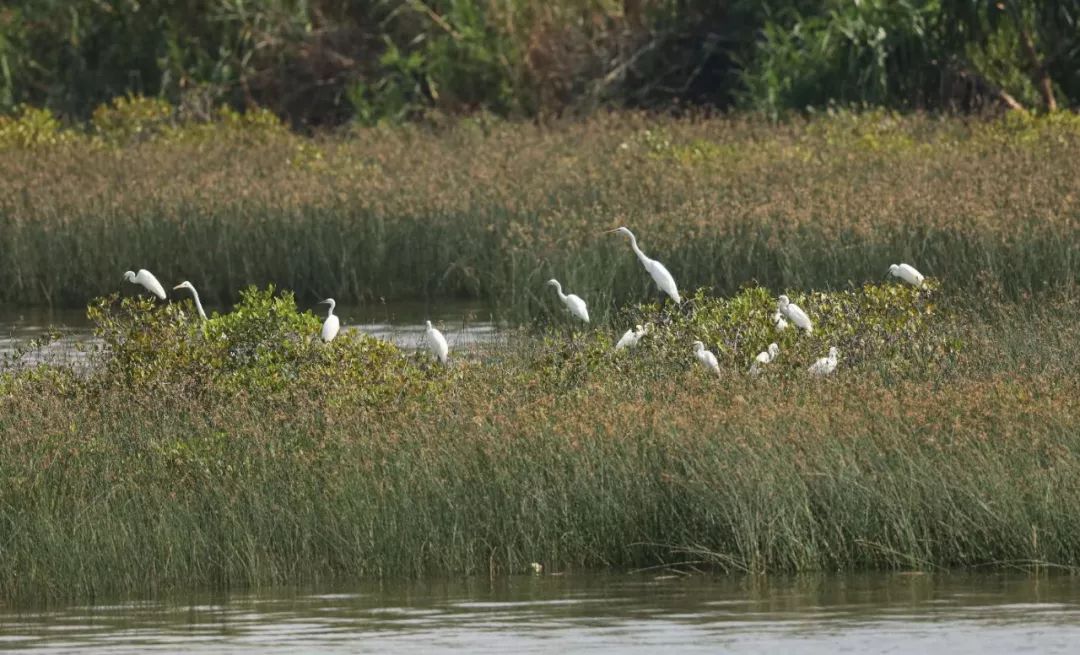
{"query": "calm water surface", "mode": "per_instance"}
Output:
(878, 613)
(464, 325)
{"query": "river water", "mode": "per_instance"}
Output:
(464, 324)
(612, 613)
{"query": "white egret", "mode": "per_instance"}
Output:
(794, 313)
(825, 365)
(706, 358)
(659, 273)
(198, 305)
(763, 358)
(437, 342)
(907, 273)
(778, 322)
(630, 338)
(147, 280)
(332, 324)
(574, 303)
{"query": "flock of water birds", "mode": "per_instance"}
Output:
(786, 312)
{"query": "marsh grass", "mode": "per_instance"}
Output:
(547, 451)
(490, 210)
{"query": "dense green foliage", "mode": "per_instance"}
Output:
(277, 459)
(329, 61)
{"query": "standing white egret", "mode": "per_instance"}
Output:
(332, 324)
(825, 365)
(630, 338)
(794, 313)
(575, 304)
(148, 281)
(778, 321)
(437, 342)
(706, 358)
(198, 305)
(907, 273)
(659, 273)
(763, 358)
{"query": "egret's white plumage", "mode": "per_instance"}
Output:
(763, 358)
(794, 313)
(332, 324)
(437, 342)
(575, 304)
(907, 273)
(658, 271)
(706, 358)
(148, 282)
(198, 304)
(825, 365)
(630, 338)
(778, 321)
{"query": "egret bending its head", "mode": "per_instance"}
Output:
(825, 365)
(706, 358)
(148, 282)
(907, 273)
(573, 303)
(659, 273)
(763, 358)
(332, 324)
(794, 313)
(437, 343)
(198, 305)
(630, 338)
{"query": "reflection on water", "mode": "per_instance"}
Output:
(943, 613)
(464, 325)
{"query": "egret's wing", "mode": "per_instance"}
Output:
(147, 279)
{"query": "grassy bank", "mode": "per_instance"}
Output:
(490, 210)
(187, 458)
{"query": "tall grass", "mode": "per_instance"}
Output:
(490, 210)
(627, 462)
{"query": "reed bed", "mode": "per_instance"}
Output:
(489, 210)
(113, 484)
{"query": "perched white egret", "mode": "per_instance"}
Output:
(574, 303)
(825, 365)
(437, 342)
(907, 273)
(198, 305)
(332, 324)
(659, 273)
(630, 338)
(147, 280)
(794, 313)
(763, 358)
(706, 358)
(778, 321)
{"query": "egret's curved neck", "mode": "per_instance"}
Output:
(330, 312)
(634, 247)
(558, 289)
(198, 303)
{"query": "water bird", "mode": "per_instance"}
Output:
(763, 358)
(198, 305)
(664, 281)
(778, 321)
(794, 313)
(630, 338)
(148, 281)
(332, 324)
(574, 303)
(437, 343)
(706, 358)
(907, 273)
(825, 365)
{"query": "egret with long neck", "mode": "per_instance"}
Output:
(195, 294)
(664, 281)
(573, 303)
(332, 324)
